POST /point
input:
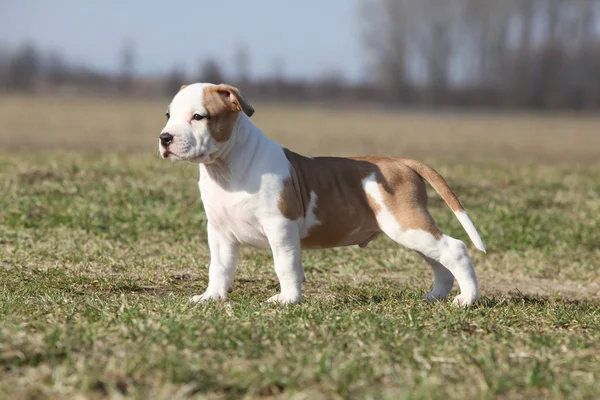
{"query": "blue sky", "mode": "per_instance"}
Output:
(311, 36)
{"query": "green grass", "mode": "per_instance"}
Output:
(100, 252)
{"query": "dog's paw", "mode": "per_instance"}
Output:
(464, 300)
(432, 297)
(281, 299)
(208, 296)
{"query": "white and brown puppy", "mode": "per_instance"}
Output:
(258, 193)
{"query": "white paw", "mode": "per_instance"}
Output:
(465, 299)
(434, 297)
(208, 296)
(281, 299)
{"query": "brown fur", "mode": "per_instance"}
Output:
(238, 102)
(222, 113)
(347, 215)
(223, 103)
(333, 180)
(404, 194)
(436, 181)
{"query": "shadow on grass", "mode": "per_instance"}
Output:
(363, 296)
(183, 284)
(197, 383)
(523, 299)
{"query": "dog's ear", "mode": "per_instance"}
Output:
(182, 87)
(233, 97)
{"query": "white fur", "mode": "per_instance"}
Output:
(448, 256)
(240, 185)
(468, 226)
(191, 139)
(240, 182)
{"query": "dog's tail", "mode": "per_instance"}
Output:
(441, 186)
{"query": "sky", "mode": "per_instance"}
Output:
(312, 37)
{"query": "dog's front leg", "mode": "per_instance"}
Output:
(223, 260)
(284, 240)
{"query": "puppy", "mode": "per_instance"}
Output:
(259, 193)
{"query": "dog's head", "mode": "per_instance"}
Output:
(200, 121)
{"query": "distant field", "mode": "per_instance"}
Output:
(32, 123)
(102, 243)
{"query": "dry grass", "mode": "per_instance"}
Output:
(96, 270)
(33, 123)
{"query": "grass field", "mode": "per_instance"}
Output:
(102, 243)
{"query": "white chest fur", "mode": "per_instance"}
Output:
(239, 201)
(233, 213)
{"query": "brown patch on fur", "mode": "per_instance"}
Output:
(342, 206)
(347, 214)
(404, 194)
(288, 203)
(182, 87)
(238, 101)
(223, 103)
(436, 181)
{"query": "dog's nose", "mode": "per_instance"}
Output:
(165, 139)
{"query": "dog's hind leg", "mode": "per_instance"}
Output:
(403, 216)
(447, 253)
(443, 280)
(409, 223)
(455, 257)
(449, 257)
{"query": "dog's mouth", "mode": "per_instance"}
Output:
(199, 159)
(166, 153)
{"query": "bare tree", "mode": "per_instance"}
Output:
(56, 69)
(242, 65)
(385, 32)
(24, 68)
(174, 81)
(438, 62)
(538, 53)
(5, 61)
(330, 85)
(127, 57)
(210, 72)
(278, 84)
(588, 54)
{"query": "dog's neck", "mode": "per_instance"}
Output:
(238, 154)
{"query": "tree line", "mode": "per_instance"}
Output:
(30, 69)
(514, 53)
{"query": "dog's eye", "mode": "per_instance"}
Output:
(168, 115)
(198, 117)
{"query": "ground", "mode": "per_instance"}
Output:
(102, 243)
